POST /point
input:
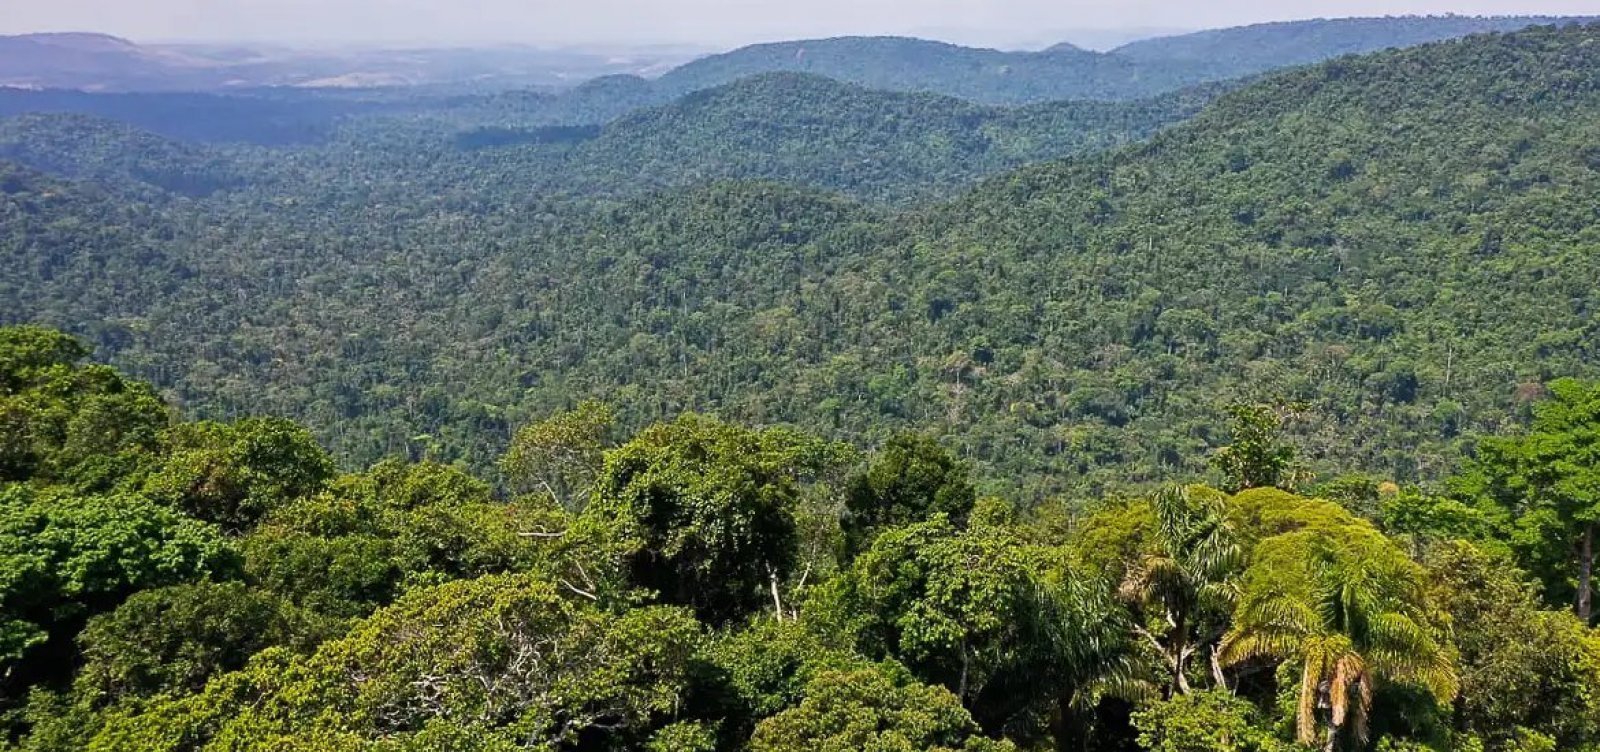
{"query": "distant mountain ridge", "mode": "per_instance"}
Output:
(1062, 72)
(1260, 47)
(100, 62)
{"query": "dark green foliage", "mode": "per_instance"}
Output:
(235, 474)
(408, 607)
(909, 480)
(876, 145)
(65, 558)
(1402, 246)
(703, 513)
(1136, 70)
(1527, 669)
(176, 638)
(1543, 489)
(1253, 49)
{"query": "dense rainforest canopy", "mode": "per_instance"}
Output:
(1399, 246)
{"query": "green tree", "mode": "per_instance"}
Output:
(972, 610)
(1182, 590)
(174, 639)
(65, 558)
(1545, 484)
(560, 455)
(61, 421)
(873, 709)
(234, 474)
(1523, 669)
(701, 513)
(1209, 721)
(1257, 456)
(508, 661)
(910, 479)
(1345, 611)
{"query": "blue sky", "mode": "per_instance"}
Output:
(711, 22)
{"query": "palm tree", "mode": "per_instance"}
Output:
(1182, 591)
(1348, 609)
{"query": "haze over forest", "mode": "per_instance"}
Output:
(706, 23)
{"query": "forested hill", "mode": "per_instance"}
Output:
(1262, 47)
(885, 147)
(1400, 241)
(905, 64)
(812, 131)
(1405, 242)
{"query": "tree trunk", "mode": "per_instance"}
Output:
(1586, 574)
(1217, 674)
(966, 664)
(777, 600)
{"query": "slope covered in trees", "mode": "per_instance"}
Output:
(1399, 244)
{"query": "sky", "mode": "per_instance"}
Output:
(705, 22)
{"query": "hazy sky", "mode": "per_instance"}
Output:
(701, 21)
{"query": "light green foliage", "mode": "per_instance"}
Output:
(356, 546)
(560, 455)
(769, 663)
(506, 661)
(683, 737)
(1259, 514)
(1346, 611)
(875, 709)
(1427, 517)
(65, 557)
(909, 480)
(1256, 456)
(235, 474)
(1212, 721)
(1182, 588)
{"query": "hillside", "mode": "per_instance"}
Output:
(1401, 241)
(902, 64)
(1254, 49)
(882, 146)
